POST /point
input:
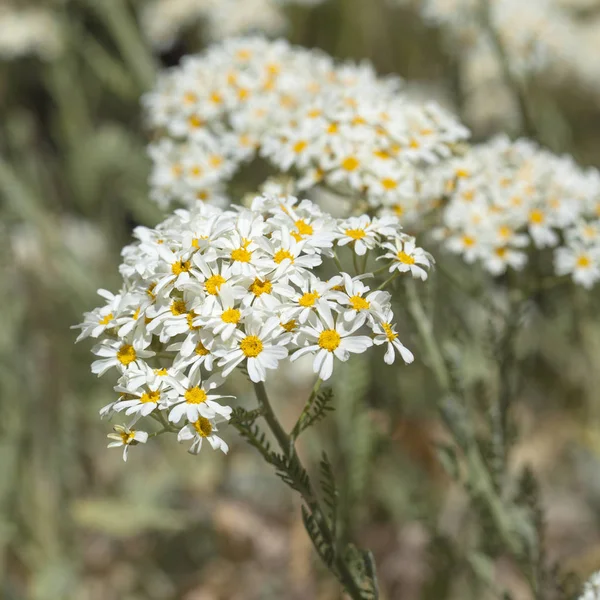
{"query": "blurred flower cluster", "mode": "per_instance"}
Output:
(336, 125)
(164, 22)
(28, 31)
(508, 196)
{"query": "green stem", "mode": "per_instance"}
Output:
(511, 81)
(355, 263)
(389, 280)
(479, 476)
(339, 566)
(125, 32)
(337, 262)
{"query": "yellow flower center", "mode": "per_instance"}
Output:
(150, 290)
(536, 216)
(213, 284)
(308, 299)
(201, 349)
(231, 315)
(181, 266)
(298, 147)
(251, 346)
(195, 121)
(303, 227)
(329, 340)
(462, 173)
(468, 240)
(407, 259)
(389, 184)
(190, 321)
(203, 427)
(504, 231)
(107, 319)
(281, 255)
(195, 395)
(350, 163)
(356, 234)
(583, 261)
(398, 210)
(389, 333)
(241, 255)
(190, 98)
(151, 396)
(501, 252)
(359, 303)
(178, 307)
(289, 326)
(161, 372)
(261, 287)
(127, 437)
(126, 354)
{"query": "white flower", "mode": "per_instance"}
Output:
(257, 344)
(361, 304)
(359, 232)
(192, 398)
(121, 354)
(332, 339)
(126, 437)
(581, 263)
(385, 334)
(407, 257)
(200, 429)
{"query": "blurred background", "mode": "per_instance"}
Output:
(76, 523)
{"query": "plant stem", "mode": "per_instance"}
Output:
(527, 122)
(479, 476)
(389, 280)
(339, 566)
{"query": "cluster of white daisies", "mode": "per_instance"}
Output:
(336, 125)
(211, 290)
(509, 196)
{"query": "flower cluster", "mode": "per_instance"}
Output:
(339, 126)
(538, 36)
(211, 290)
(591, 589)
(508, 196)
(29, 31)
(163, 22)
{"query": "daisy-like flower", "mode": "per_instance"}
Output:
(191, 398)
(119, 353)
(257, 345)
(98, 321)
(359, 302)
(407, 257)
(314, 295)
(331, 339)
(142, 391)
(125, 437)
(385, 334)
(200, 429)
(359, 232)
(581, 263)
